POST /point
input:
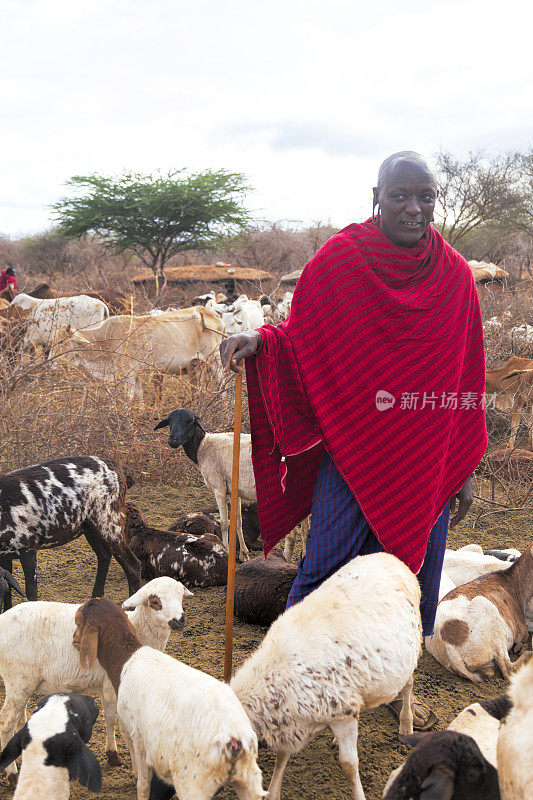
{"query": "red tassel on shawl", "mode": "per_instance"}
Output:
(369, 317)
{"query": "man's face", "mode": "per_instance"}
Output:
(407, 201)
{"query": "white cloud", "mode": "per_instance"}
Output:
(305, 98)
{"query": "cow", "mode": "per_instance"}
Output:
(512, 388)
(127, 346)
(117, 302)
(47, 317)
(243, 315)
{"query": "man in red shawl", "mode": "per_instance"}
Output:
(367, 403)
(7, 278)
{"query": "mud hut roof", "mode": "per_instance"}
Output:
(205, 273)
(292, 277)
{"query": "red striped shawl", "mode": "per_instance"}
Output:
(369, 316)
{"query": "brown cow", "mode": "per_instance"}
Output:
(512, 388)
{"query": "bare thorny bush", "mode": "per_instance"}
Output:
(51, 409)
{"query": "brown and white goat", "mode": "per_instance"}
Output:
(177, 721)
(478, 623)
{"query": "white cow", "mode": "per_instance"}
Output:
(47, 317)
(243, 315)
(125, 347)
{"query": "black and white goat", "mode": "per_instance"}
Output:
(194, 560)
(208, 521)
(53, 748)
(50, 504)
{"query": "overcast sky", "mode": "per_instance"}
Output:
(305, 97)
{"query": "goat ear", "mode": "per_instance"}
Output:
(11, 581)
(88, 647)
(14, 747)
(187, 592)
(439, 784)
(83, 766)
(163, 424)
(135, 600)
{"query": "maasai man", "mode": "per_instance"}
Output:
(7, 279)
(367, 403)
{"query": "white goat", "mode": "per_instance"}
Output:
(331, 655)
(37, 656)
(181, 723)
(515, 740)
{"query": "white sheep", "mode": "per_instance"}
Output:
(53, 749)
(353, 643)
(478, 622)
(37, 656)
(179, 722)
(515, 739)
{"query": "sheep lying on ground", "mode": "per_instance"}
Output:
(185, 725)
(262, 587)
(52, 744)
(208, 521)
(515, 740)
(37, 656)
(353, 643)
(444, 766)
(49, 504)
(478, 622)
(195, 560)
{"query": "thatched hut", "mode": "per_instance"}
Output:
(291, 278)
(183, 283)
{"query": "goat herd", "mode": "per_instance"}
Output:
(352, 644)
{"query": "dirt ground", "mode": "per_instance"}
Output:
(67, 574)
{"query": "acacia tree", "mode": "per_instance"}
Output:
(478, 190)
(155, 216)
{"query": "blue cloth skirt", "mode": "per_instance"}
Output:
(339, 532)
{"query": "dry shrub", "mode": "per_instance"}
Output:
(52, 410)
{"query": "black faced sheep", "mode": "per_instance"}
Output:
(444, 766)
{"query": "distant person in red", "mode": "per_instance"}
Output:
(367, 403)
(7, 278)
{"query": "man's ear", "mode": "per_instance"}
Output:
(375, 195)
(163, 424)
(88, 647)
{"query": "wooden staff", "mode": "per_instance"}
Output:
(230, 593)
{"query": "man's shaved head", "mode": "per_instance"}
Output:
(390, 165)
(406, 195)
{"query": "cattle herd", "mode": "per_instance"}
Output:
(352, 644)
